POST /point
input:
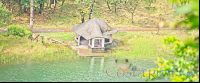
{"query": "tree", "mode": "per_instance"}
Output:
(31, 15)
(23, 6)
(92, 8)
(5, 16)
(115, 4)
(108, 2)
(63, 1)
(131, 6)
(186, 53)
(85, 6)
(41, 5)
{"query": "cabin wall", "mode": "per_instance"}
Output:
(83, 41)
(95, 50)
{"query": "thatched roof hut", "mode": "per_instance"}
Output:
(94, 27)
(94, 33)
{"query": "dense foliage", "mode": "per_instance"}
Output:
(18, 31)
(185, 68)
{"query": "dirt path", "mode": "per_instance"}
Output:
(120, 29)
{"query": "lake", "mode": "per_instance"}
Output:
(90, 69)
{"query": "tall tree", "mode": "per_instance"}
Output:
(92, 8)
(41, 4)
(115, 4)
(131, 6)
(63, 1)
(31, 15)
(84, 6)
(108, 2)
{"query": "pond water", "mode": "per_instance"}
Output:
(92, 69)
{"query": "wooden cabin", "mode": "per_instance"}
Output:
(95, 34)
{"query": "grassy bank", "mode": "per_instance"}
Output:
(141, 44)
(22, 50)
(147, 45)
(135, 45)
(62, 36)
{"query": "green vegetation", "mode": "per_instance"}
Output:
(147, 45)
(146, 14)
(22, 50)
(18, 31)
(59, 36)
(185, 68)
(176, 51)
(135, 45)
(5, 16)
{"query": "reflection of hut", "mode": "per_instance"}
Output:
(94, 34)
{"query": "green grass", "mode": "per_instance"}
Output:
(23, 50)
(135, 45)
(63, 36)
(147, 45)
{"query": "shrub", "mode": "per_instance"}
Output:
(19, 31)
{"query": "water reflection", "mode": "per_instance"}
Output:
(92, 69)
(102, 63)
(92, 63)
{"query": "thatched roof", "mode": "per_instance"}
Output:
(94, 27)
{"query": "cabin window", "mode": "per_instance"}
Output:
(98, 43)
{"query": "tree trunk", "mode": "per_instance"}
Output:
(108, 5)
(41, 8)
(63, 1)
(25, 11)
(134, 10)
(54, 4)
(32, 15)
(82, 16)
(115, 3)
(54, 8)
(50, 4)
(83, 20)
(92, 8)
(132, 18)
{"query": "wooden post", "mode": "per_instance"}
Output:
(75, 36)
(79, 38)
(103, 40)
(93, 42)
(89, 42)
(111, 38)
